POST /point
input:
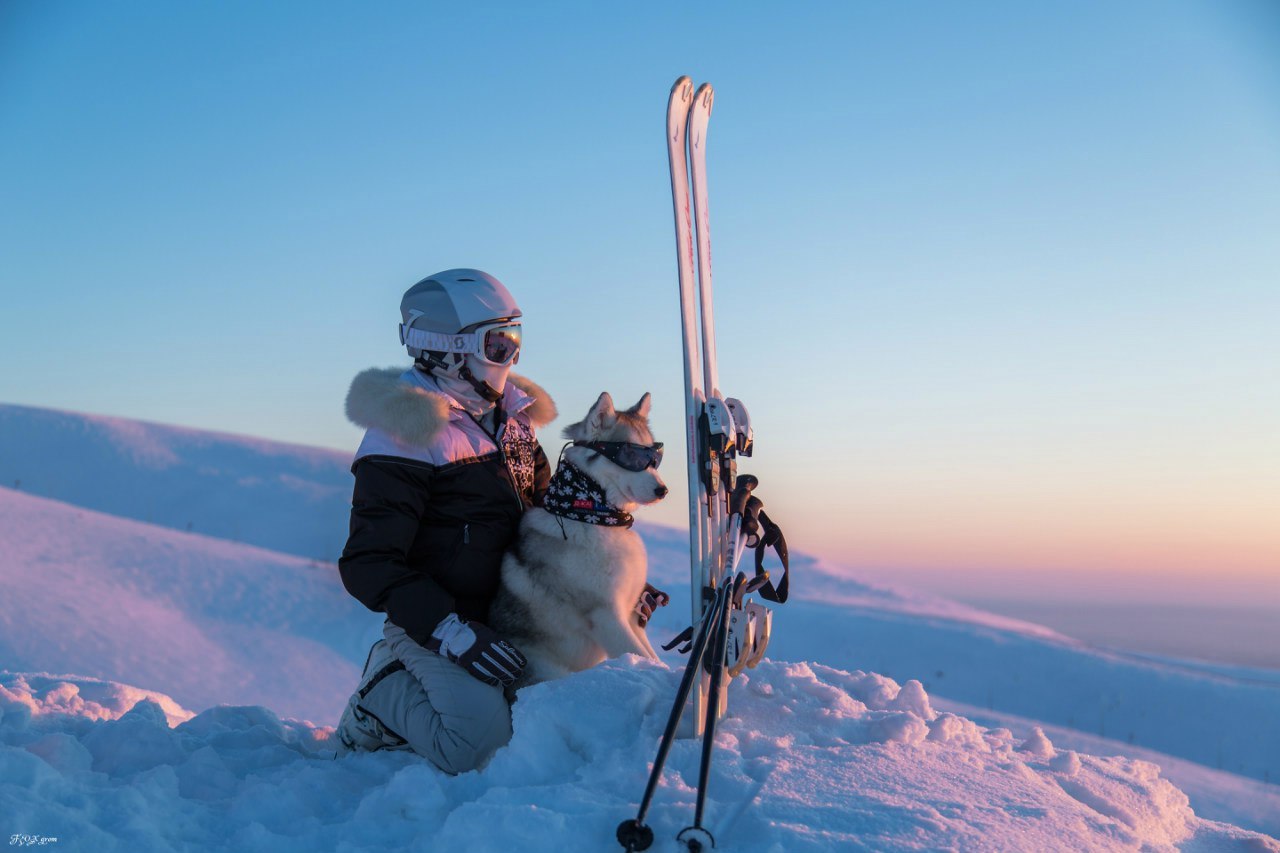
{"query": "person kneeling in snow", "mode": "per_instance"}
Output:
(448, 465)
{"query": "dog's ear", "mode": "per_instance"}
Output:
(641, 408)
(602, 415)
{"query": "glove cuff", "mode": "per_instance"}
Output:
(452, 636)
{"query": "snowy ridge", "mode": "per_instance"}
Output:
(206, 620)
(814, 759)
(285, 497)
(297, 499)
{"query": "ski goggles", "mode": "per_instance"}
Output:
(496, 343)
(633, 457)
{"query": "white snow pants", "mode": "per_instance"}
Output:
(432, 706)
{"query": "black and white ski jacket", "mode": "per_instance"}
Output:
(437, 498)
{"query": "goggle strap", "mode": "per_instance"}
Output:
(463, 342)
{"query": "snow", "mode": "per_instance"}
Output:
(1210, 717)
(1000, 735)
(181, 478)
(1039, 745)
(210, 620)
(1213, 793)
(821, 759)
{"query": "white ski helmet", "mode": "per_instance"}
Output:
(441, 312)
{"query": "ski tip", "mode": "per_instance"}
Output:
(705, 95)
(682, 89)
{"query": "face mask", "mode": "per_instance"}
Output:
(494, 374)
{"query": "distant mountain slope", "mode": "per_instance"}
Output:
(207, 620)
(284, 497)
(668, 550)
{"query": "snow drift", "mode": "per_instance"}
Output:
(812, 759)
(205, 619)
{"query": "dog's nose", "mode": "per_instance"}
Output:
(661, 491)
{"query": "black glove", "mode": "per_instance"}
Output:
(477, 649)
(650, 600)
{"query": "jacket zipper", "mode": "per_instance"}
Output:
(511, 477)
(466, 534)
(506, 463)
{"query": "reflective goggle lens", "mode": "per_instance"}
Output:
(638, 457)
(502, 345)
(633, 457)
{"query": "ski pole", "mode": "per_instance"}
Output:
(633, 835)
(696, 838)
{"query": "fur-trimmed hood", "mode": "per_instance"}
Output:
(407, 406)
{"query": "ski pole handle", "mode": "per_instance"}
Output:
(741, 492)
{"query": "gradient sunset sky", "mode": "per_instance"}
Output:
(1000, 282)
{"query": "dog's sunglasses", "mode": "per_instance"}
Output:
(633, 457)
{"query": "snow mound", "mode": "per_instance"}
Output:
(811, 759)
(42, 694)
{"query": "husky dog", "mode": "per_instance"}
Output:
(571, 580)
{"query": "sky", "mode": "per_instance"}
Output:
(998, 282)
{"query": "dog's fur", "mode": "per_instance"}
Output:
(569, 588)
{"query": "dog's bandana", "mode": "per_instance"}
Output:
(575, 496)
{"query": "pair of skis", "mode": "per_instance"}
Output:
(727, 633)
(713, 435)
